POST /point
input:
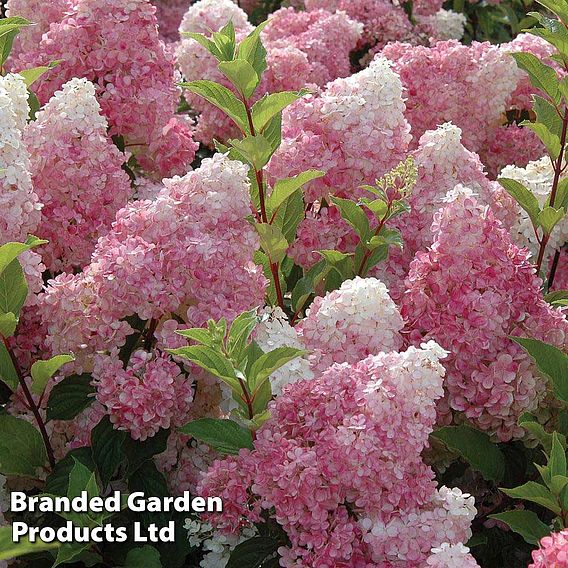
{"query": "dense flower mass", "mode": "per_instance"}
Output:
(316, 268)
(115, 45)
(325, 430)
(77, 174)
(175, 254)
(470, 291)
(355, 131)
(553, 551)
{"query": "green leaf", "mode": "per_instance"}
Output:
(10, 251)
(13, 288)
(549, 139)
(146, 557)
(251, 49)
(197, 334)
(21, 447)
(30, 76)
(557, 296)
(106, 448)
(8, 372)
(273, 132)
(289, 215)
(523, 197)
(557, 460)
(225, 41)
(550, 361)
(70, 552)
(42, 371)
(388, 237)
(546, 113)
(341, 262)
(242, 74)
(549, 217)
(536, 493)
(10, 549)
(223, 99)
(355, 216)
(542, 77)
(561, 199)
(240, 332)
(529, 423)
(9, 29)
(209, 359)
(254, 552)
(272, 241)
(81, 479)
(269, 362)
(225, 436)
(256, 150)
(137, 453)
(559, 8)
(284, 188)
(525, 523)
(8, 324)
(266, 108)
(70, 397)
(476, 448)
(205, 42)
(57, 482)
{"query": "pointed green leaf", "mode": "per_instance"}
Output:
(523, 197)
(242, 75)
(525, 523)
(225, 436)
(30, 76)
(536, 493)
(8, 324)
(70, 397)
(10, 549)
(42, 371)
(145, 556)
(289, 216)
(8, 372)
(476, 448)
(549, 139)
(542, 76)
(284, 188)
(354, 215)
(223, 99)
(269, 362)
(272, 241)
(557, 461)
(240, 332)
(10, 251)
(549, 217)
(255, 149)
(251, 49)
(21, 447)
(265, 109)
(197, 334)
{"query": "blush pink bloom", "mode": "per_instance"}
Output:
(470, 291)
(553, 551)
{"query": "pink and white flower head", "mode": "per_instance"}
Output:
(355, 131)
(347, 325)
(189, 252)
(339, 435)
(77, 173)
(453, 82)
(151, 393)
(553, 551)
(470, 291)
(115, 45)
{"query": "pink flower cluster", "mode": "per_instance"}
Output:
(553, 551)
(170, 14)
(115, 45)
(187, 252)
(301, 48)
(470, 291)
(355, 131)
(77, 174)
(151, 393)
(330, 465)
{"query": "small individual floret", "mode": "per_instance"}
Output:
(347, 325)
(470, 291)
(77, 174)
(355, 131)
(553, 551)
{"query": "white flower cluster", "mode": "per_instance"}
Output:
(347, 325)
(76, 105)
(19, 204)
(207, 15)
(444, 24)
(537, 176)
(218, 547)
(274, 331)
(451, 556)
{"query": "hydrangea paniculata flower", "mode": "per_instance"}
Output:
(553, 551)
(340, 436)
(77, 173)
(470, 291)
